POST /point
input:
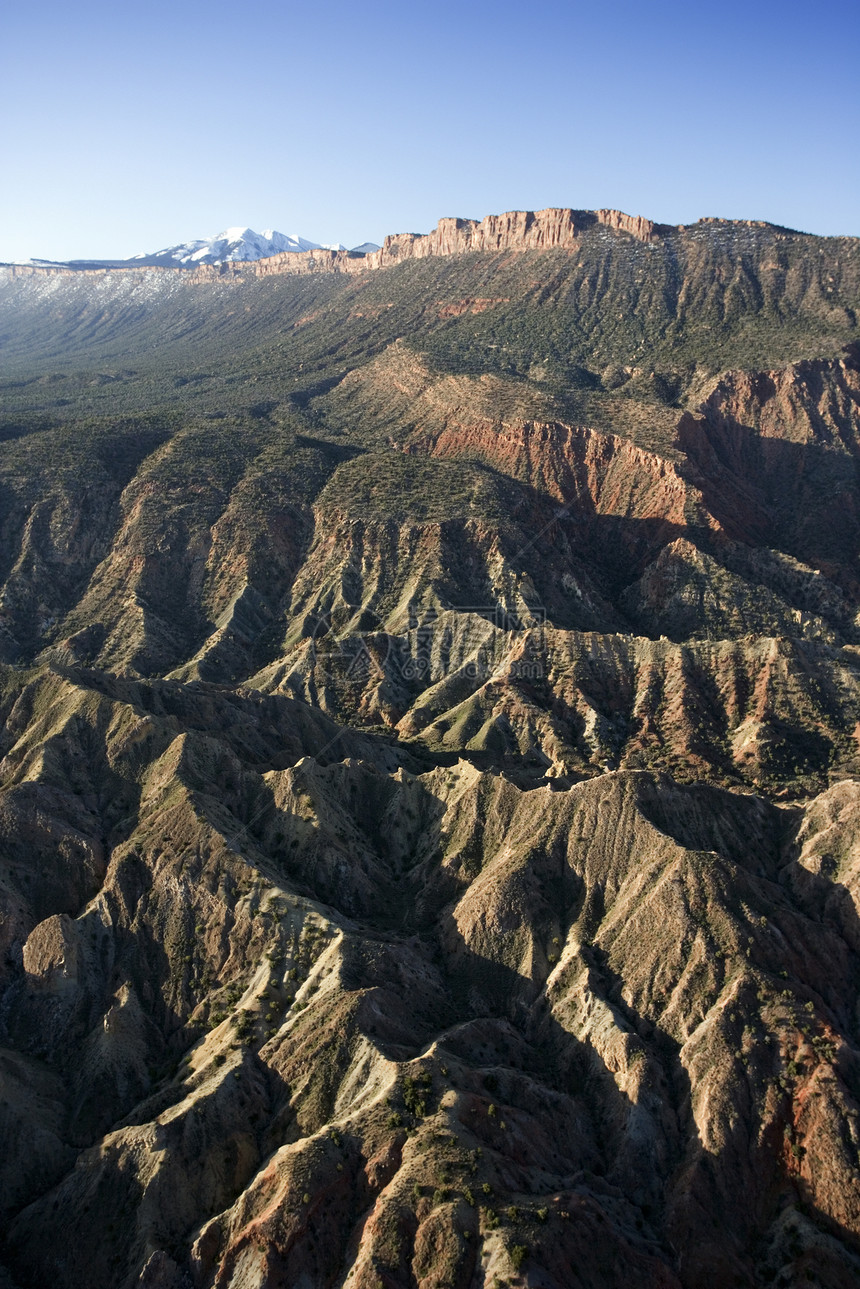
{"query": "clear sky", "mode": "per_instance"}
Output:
(127, 127)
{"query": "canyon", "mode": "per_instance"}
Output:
(430, 764)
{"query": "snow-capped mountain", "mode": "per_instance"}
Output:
(232, 244)
(238, 244)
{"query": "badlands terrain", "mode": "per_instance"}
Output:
(430, 780)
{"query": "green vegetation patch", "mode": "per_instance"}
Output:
(393, 485)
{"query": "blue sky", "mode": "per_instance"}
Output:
(129, 127)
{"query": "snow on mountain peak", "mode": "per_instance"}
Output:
(233, 244)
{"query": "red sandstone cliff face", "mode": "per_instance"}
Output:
(584, 468)
(518, 230)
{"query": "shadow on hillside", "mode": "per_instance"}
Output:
(800, 498)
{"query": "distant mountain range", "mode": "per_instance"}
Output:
(233, 244)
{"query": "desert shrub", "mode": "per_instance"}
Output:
(518, 1255)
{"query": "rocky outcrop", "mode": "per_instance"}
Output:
(518, 230)
(522, 230)
(587, 470)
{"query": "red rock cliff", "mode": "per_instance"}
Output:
(517, 230)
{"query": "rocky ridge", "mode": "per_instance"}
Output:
(541, 230)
